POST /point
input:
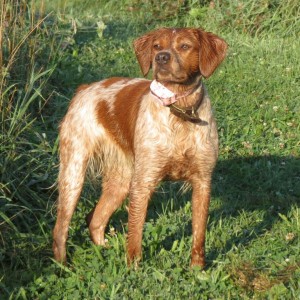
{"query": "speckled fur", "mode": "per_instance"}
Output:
(133, 142)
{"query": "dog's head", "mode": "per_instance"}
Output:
(179, 54)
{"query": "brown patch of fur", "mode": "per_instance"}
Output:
(127, 105)
(121, 120)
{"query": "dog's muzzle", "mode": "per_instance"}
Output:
(162, 57)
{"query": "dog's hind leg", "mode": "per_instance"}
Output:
(73, 163)
(114, 191)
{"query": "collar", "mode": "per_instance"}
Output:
(164, 95)
(168, 98)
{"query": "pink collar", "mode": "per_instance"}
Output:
(164, 95)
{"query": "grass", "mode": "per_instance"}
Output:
(49, 48)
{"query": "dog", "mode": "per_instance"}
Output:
(138, 132)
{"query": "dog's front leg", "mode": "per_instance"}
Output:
(142, 187)
(200, 206)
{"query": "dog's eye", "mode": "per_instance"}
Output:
(157, 46)
(185, 46)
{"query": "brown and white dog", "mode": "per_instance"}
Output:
(139, 132)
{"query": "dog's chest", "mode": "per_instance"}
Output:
(172, 144)
(183, 150)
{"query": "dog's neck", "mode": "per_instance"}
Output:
(186, 100)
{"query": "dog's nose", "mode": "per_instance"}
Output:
(162, 57)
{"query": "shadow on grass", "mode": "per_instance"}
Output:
(264, 183)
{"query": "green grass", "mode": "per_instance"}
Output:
(253, 242)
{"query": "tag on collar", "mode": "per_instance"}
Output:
(163, 94)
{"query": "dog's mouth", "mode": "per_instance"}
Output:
(165, 75)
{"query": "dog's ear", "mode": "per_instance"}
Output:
(143, 51)
(212, 52)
